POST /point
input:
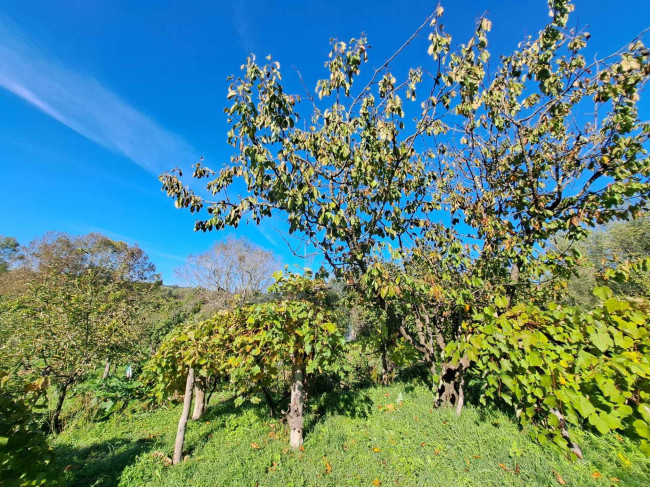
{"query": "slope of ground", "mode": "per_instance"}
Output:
(379, 436)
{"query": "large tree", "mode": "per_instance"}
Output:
(463, 166)
(83, 299)
(232, 267)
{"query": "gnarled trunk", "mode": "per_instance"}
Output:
(451, 386)
(387, 366)
(199, 398)
(294, 416)
(182, 422)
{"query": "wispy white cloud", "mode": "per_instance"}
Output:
(241, 21)
(267, 235)
(83, 104)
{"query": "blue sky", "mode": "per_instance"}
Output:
(98, 98)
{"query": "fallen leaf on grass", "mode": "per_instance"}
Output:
(328, 467)
(477, 456)
(436, 451)
(559, 478)
(504, 467)
(615, 479)
(423, 444)
(596, 475)
(376, 482)
(376, 450)
(255, 446)
(302, 448)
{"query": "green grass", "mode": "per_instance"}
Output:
(408, 445)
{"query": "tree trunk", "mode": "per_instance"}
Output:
(182, 422)
(56, 417)
(107, 369)
(269, 401)
(199, 398)
(215, 383)
(575, 448)
(450, 386)
(294, 416)
(387, 365)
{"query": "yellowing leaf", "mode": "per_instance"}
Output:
(255, 446)
(376, 482)
(559, 478)
(376, 450)
(596, 475)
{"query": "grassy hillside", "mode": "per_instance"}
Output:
(367, 439)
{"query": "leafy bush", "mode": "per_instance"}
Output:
(25, 456)
(111, 395)
(563, 366)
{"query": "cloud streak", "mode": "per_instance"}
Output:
(80, 102)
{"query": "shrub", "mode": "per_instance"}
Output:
(563, 366)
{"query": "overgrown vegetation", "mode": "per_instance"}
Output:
(454, 211)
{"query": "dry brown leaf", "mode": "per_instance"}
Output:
(255, 446)
(559, 478)
(423, 444)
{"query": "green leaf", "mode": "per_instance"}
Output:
(613, 304)
(602, 340)
(603, 293)
(642, 428)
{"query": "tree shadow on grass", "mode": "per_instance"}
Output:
(100, 464)
(350, 403)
